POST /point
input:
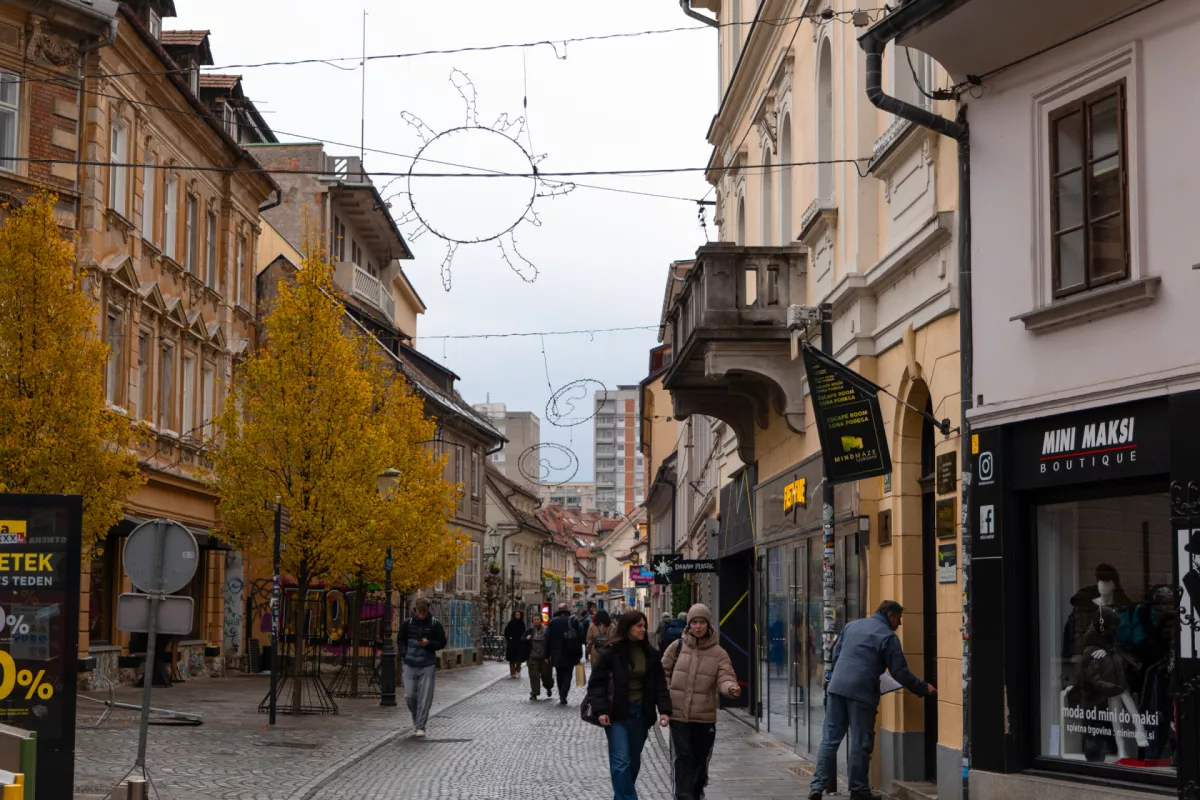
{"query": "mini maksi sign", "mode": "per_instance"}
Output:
(1095, 445)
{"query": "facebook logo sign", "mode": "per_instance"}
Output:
(987, 522)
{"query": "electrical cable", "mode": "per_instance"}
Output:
(541, 333)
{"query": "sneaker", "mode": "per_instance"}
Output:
(562, 701)
(549, 693)
(533, 697)
(814, 795)
(419, 733)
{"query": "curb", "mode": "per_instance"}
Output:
(309, 790)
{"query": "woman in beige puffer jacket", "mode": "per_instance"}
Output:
(697, 668)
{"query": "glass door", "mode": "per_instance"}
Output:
(798, 649)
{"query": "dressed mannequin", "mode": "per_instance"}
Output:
(1104, 686)
(1106, 592)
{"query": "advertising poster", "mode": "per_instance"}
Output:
(849, 424)
(40, 540)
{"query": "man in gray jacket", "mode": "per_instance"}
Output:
(419, 639)
(865, 649)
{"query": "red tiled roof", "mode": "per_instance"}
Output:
(191, 38)
(210, 80)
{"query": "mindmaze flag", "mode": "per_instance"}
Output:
(849, 424)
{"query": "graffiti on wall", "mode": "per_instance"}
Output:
(231, 594)
(458, 631)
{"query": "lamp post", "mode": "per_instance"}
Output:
(387, 657)
(275, 611)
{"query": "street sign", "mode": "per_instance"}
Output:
(849, 423)
(174, 614)
(601, 587)
(161, 556)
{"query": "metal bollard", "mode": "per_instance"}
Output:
(137, 789)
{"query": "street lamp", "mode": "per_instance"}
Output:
(513, 556)
(387, 657)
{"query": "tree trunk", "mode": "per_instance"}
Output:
(354, 639)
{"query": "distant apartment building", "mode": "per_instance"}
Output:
(620, 471)
(523, 430)
(580, 496)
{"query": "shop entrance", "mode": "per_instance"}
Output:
(929, 587)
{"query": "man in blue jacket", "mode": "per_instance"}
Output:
(865, 649)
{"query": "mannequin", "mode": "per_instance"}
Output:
(1103, 686)
(1106, 592)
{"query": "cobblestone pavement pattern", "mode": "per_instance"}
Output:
(486, 741)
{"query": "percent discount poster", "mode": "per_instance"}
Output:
(40, 539)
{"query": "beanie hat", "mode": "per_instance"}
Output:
(683, 616)
(700, 611)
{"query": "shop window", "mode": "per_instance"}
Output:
(101, 592)
(1108, 621)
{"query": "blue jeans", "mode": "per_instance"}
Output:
(842, 713)
(626, 738)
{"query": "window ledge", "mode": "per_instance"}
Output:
(1088, 306)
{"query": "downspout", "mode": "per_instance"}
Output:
(81, 138)
(89, 47)
(278, 201)
(686, 7)
(873, 43)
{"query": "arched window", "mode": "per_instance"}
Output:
(768, 197)
(741, 222)
(825, 122)
(785, 181)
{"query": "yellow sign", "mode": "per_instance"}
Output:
(579, 587)
(975, 444)
(12, 531)
(795, 494)
(601, 587)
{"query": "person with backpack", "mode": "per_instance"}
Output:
(598, 635)
(420, 638)
(673, 631)
(627, 692)
(697, 668)
(565, 640)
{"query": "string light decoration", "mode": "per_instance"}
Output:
(539, 462)
(561, 409)
(503, 137)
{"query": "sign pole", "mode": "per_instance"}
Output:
(387, 657)
(275, 611)
(151, 653)
(827, 520)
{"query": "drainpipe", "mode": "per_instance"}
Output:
(88, 47)
(873, 42)
(685, 6)
(81, 138)
(267, 206)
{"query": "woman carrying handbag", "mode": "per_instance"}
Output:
(626, 693)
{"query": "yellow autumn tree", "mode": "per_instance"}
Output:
(316, 422)
(57, 433)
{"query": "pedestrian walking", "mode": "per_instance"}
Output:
(663, 624)
(598, 635)
(865, 649)
(566, 648)
(627, 692)
(696, 668)
(514, 643)
(421, 636)
(673, 631)
(538, 666)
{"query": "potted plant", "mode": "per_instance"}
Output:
(494, 568)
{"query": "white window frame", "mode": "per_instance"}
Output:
(155, 24)
(171, 218)
(146, 375)
(148, 210)
(191, 232)
(166, 385)
(241, 269)
(466, 578)
(475, 472)
(118, 173)
(188, 422)
(10, 117)
(115, 320)
(210, 250)
(208, 387)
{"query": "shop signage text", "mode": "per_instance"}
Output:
(849, 423)
(696, 565)
(795, 495)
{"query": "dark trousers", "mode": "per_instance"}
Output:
(842, 714)
(540, 671)
(565, 674)
(692, 744)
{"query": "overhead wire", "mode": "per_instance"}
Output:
(541, 333)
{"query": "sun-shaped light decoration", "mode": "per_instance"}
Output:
(519, 182)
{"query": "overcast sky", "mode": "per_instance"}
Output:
(630, 103)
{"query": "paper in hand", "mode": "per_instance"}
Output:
(888, 684)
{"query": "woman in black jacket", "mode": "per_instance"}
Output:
(628, 690)
(514, 644)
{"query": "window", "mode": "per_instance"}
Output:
(497, 458)
(10, 102)
(117, 171)
(210, 251)
(912, 72)
(170, 218)
(194, 78)
(166, 387)
(356, 253)
(475, 473)
(145, 377)
(192, 232)
(467, 577)
(1088, 195)
(230, 117)
(155, 24)
(148, 176)
(338, 245)
(241, 267)
(115, 338)
(189, 395)
(207, 387)
(1106, 596)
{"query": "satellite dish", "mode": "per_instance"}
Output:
(161, 556)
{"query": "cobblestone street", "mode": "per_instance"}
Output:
(486, 741)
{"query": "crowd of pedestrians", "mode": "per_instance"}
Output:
(635, 685)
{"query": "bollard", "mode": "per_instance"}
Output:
(137, 789)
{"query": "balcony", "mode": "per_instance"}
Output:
(366, 288)
(728, 329)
